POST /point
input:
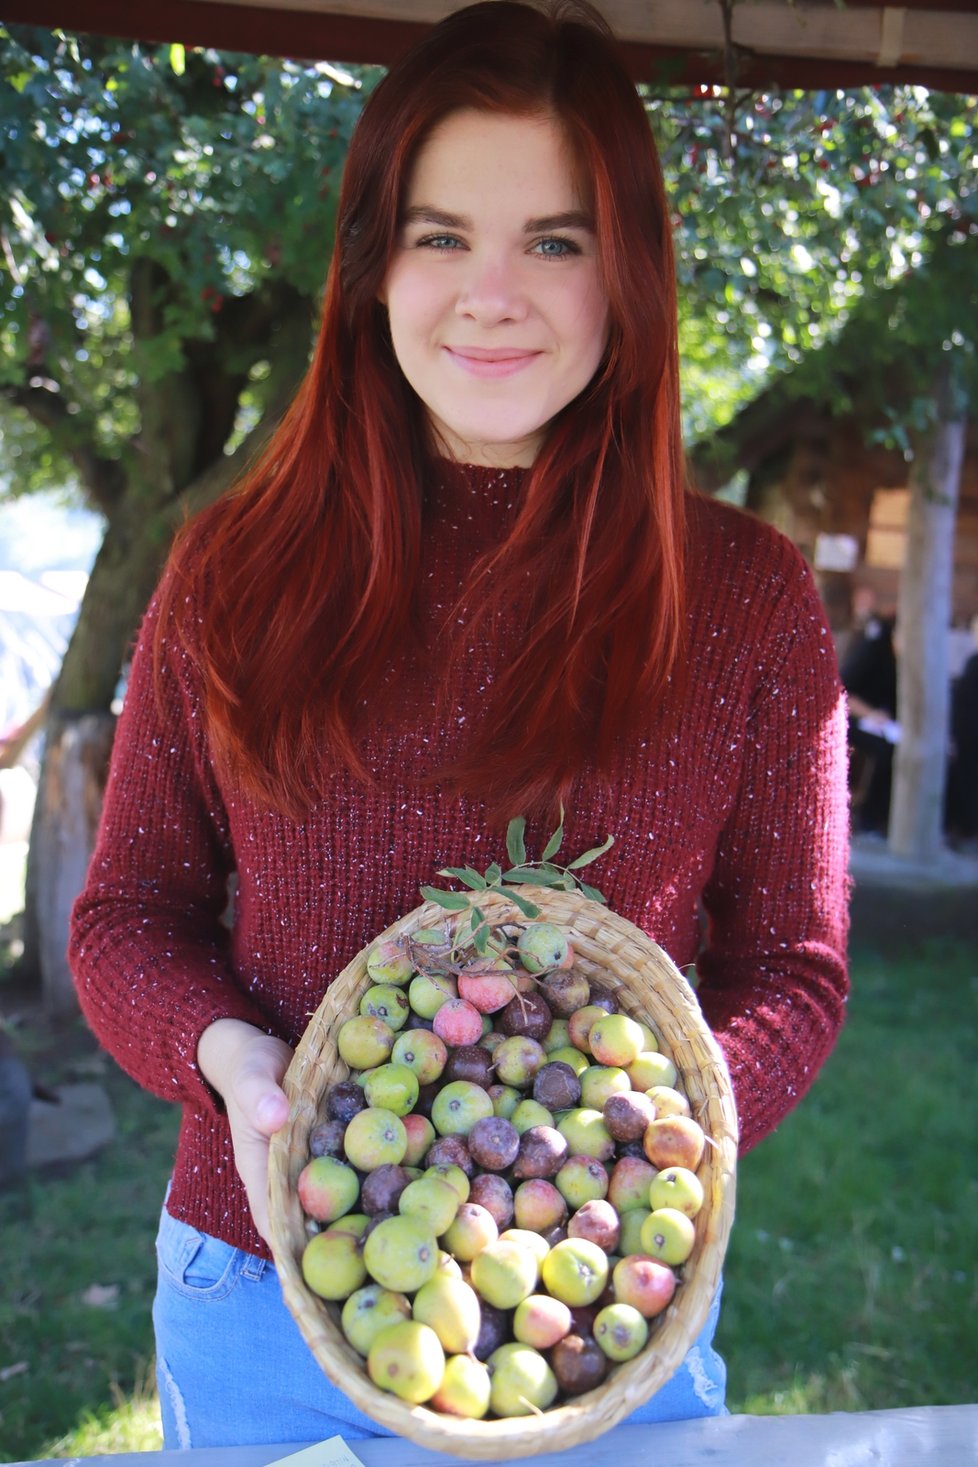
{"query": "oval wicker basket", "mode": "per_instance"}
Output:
(648, 986)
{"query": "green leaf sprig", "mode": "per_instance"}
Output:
(522, 872)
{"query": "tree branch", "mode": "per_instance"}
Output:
(103, 479)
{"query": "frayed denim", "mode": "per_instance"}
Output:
(234, 1370)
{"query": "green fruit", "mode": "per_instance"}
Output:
(522, 1381)
(370, 1310)
(401, 1254)
(408, 1360)
(465, 1388)
(451, 1307)
(504, 1273)
(668, 1235)
(332, 1265)
(620, 1331)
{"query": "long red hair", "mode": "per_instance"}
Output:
(310, 568)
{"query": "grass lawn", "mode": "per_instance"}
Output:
(850, 1281)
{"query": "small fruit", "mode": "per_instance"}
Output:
(374, 1137)
(332, 1265)
(327, 1188)
(388, 962)
(451, 1307)
(423, 1052)
(543, 947)
(465, 1388)
(675, 1141)
(651, 1070)
(504, 1273)
(386, 1002)
(431, 1199)
(458, 1106)
(620, 1331)
(579, 1364)
(364, 1041)
(541, 1321)
(522, 1381)
(644, 1283)
(575, 1271)
(392, 1087)
(401, 1254)
(615, 1040)
(668, 1235)
(369, 1310)
(677, 1187)
(407, 1359)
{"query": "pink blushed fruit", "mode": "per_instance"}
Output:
(487, 984)
(538, 1205)
(541, 1321)
(615, 1040)
(675, 1141)
(458, 1022)
(598, 1222)
(629, 1183)
(420, 1135)
(423, 1052)
(474, 1228)
(645, 1284)
(327, 1188)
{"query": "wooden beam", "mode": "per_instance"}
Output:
(311, 34)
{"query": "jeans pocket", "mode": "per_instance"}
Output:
(194, 1263)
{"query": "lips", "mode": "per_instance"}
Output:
(491, 362)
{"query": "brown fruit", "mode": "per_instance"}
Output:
(527, 1013)
(579, 1363)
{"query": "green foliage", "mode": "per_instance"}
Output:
(850, 1281)
(522, 872)
(790, 209)
(75, 1309)
(146, 190)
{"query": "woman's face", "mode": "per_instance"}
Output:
(498, 315)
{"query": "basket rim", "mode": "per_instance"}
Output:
(596, 932)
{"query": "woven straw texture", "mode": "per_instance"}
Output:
(648, 986)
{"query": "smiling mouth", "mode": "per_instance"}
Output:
(489, 362)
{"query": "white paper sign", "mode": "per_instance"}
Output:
(333, 1452)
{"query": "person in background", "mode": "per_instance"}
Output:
(961, 822)
(869, 675)
(468, 580)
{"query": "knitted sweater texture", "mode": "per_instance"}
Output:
(730, 843)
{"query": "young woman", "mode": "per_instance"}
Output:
(466, 580)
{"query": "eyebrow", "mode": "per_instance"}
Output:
(572, 219)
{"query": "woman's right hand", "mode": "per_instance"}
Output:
(245, 1066)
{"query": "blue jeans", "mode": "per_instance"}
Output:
(234, 1370)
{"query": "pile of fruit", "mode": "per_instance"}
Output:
(501, 1196)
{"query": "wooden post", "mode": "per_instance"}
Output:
(923, 620)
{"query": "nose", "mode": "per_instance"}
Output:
(491, 291)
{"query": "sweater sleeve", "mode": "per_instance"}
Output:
(773, 973)
(148, 948)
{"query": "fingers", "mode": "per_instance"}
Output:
(251, 1159)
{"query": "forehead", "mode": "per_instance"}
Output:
(498, 157)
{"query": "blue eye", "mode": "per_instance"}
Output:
(555, 248)
(439, 242)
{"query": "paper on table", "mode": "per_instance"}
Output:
(333, 1452)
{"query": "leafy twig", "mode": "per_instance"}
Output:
(521, 872)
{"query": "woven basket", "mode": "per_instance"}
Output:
(648, 986)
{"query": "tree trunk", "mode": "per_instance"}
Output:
(78, 740)
(69, 800)
(924, 616)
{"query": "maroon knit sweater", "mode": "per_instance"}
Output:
(730, 850)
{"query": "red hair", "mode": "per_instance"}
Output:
(320, 547)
